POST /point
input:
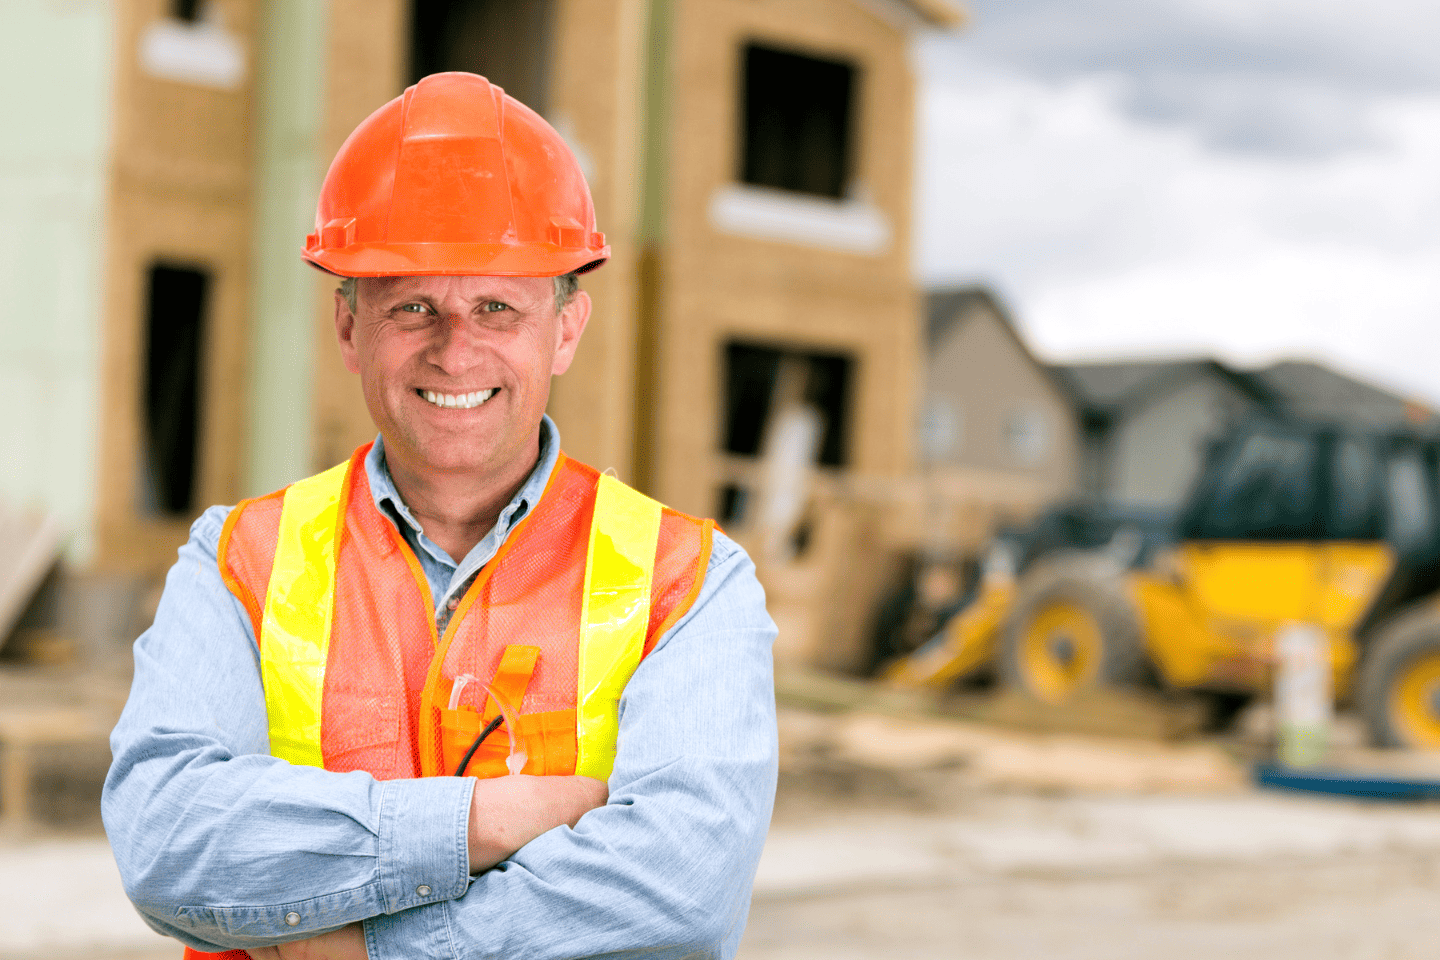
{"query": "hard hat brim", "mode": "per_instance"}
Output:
(456, 259)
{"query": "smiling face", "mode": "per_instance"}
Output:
(456, 370)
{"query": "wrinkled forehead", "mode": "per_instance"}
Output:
(519, 290)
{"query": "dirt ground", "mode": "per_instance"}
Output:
(911, 837)
(1373, 906)
(885, 845)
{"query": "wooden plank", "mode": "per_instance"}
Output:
(29, 548)
(21, 732)
(940, 13)
(52, 725)
(14, 785)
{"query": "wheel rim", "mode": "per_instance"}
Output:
(1060, 651)
(1415, 701)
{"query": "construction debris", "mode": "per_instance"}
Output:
(29, 549)
(837, 728)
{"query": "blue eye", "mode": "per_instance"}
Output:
(413, 308)
(495, 306)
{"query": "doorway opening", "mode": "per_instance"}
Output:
(755, 377)
(176, 301)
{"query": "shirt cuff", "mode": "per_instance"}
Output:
(424, 840)
(413, 935)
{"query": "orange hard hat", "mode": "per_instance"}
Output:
(454, 176)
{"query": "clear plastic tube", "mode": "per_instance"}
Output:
(518, 757)
(461, 682)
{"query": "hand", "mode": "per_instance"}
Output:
(508, 812)
(347, 943)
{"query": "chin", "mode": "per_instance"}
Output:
(452, 458)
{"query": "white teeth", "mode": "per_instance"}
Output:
(463, 401)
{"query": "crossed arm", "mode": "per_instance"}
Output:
(505, 814)
(218, 843)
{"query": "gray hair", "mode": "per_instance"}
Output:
(566, 286)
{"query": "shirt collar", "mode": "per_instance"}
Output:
(389, 502)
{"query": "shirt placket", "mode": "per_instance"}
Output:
(446, 610)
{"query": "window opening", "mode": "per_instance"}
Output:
(733, 500)
(797, 122)
(751, 374)
(187, 11)
(1027, 434)
(1353, 510)
(1410, 523)
(1265, 489)
(505, 41)
(176, 300)
(942, 429)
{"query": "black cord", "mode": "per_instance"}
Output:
(489, 729)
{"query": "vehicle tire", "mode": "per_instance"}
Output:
(1399, 689)
(1073, 627)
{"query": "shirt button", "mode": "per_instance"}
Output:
(292, 918)
(452, 603)
(423, 890)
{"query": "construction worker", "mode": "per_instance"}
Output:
(460, 695)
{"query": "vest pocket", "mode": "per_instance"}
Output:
(547, 738)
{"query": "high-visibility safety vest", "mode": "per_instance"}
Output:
(356, 677)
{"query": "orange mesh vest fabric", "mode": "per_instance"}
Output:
(389, 678)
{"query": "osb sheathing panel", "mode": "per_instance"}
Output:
(721, 286)
(595, 97)
(365, 68)
(180, 137)
(179, 192)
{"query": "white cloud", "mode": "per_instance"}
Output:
(1288, 77)
(1276, 194)
(1369, 314)
(1021, 179)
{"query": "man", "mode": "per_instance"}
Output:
(461, 696)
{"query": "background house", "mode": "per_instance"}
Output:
(991, 408)
(997, 438)
(1144, 423)
(1313, 391)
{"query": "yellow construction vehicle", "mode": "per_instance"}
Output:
(1287, 524)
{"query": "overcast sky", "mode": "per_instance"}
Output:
(1248, 179)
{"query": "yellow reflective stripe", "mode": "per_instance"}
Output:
(615, 611)
(295, 629)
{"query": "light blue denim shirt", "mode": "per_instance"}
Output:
(219, 843)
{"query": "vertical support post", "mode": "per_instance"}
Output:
(291, 80)
(649, 306)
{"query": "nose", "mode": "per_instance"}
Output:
(456, 346)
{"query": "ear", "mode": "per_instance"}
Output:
(345, 334)
(572, 324)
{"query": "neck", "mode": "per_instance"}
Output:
(457, 510)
